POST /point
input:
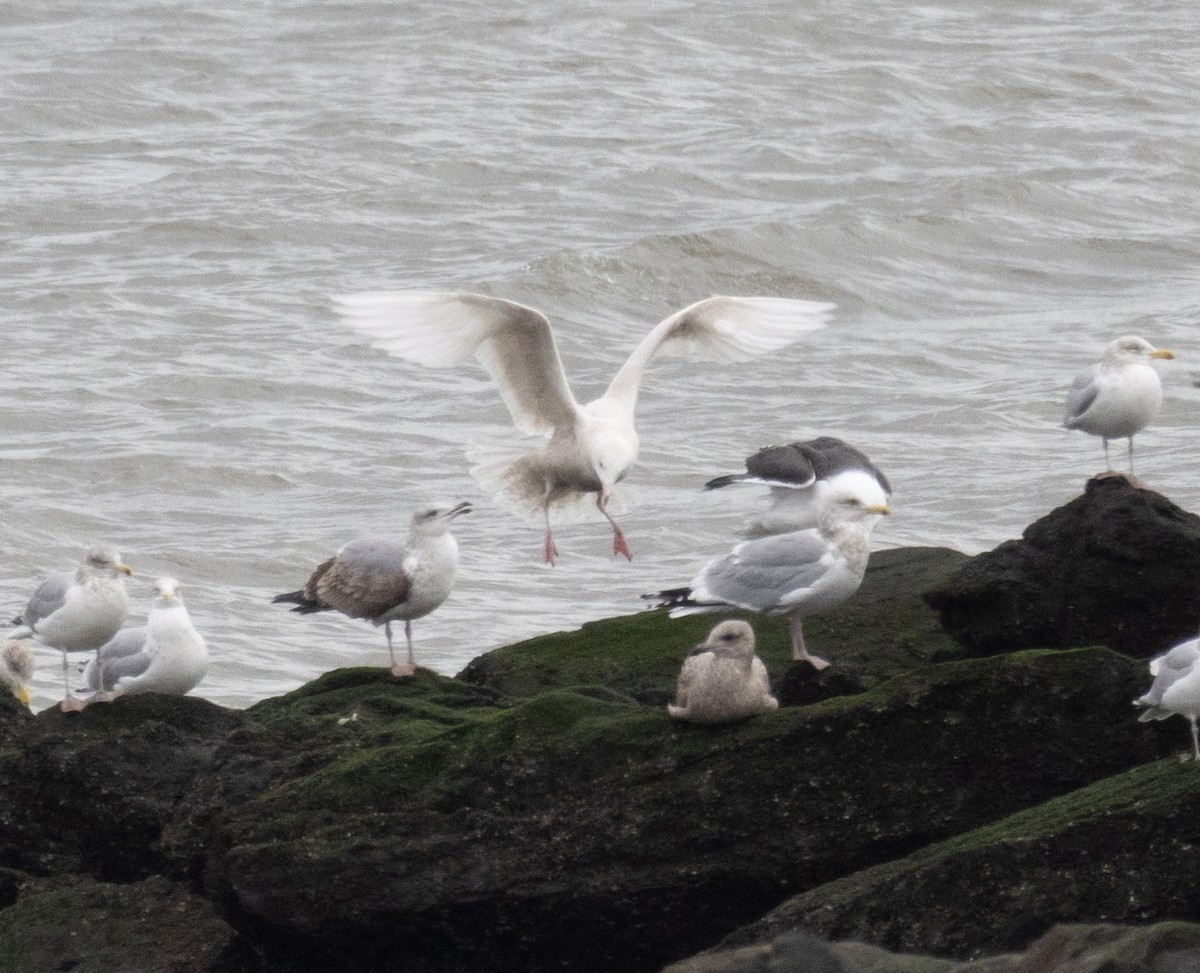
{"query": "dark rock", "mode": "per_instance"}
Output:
(1116, 566)
(86, 926)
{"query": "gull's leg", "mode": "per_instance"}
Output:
(799, 652)
(101, 695)
(620, 546)
(411, 666)
(1131, 456)
(1195, 740)
(549, 551)
(70, 703)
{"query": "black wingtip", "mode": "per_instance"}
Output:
(723, 481)
(671, 598)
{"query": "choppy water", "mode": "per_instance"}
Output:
(990, 192)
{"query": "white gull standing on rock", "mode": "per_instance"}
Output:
(1176, 688)
(1118, 396)
(166, 655)
(591, 447)
(793, 574)
(722, 680)
(801, 476)
(387, 579)
(77, 611)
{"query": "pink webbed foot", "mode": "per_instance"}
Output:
(550, 551)
(402, 669)
(620, 546)
(73, 704)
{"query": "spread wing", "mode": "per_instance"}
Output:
(441, 330)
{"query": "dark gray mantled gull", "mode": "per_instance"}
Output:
(1118, 396)
(166, 655)
(77, 611)
(722, 680)
(1176, 688)
(593, 446)
(793, 574)
(800, 476)
(386, 579)
(16, 668)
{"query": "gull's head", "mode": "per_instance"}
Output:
(16, 668)
(105, 560)
(1131, 349)
(611, 457)
(436, 520)
(735, 637)
(168, 590)
(847, 505)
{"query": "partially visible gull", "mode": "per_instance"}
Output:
(77, 611)
(386, 579)
(1176, 688)
(1118, 396)
(793, 574)
(722, 680)
(166, 655)
(800, 476)
(591, 447)
(16, 668)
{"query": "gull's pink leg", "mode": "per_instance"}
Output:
(549, 550)
(410, 667)
(620, 546)
(71, 703)
(799, 652)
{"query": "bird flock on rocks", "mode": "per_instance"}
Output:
(804, 552)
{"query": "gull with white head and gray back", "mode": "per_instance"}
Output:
(77, 611)
(722, 680)
(794, 574)
(592, 446)
(801, 476)
(1176, 688)
(387, 579)
(1118, 396)
(166, 655)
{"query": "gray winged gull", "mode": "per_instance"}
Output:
(77, 611)
(1176, 688)
(793, 574)
(800, 476)
(722, 680)
(16, 668)
(166, 655)
(386, 579)
(1119, 395)
(593, 446)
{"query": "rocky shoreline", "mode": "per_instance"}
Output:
(968, 780)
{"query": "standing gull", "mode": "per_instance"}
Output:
(16, 668)
(166, 655)
(385, 579)
(801, 476)
(1118, 396)
(1176, 688)
(793, 574)
(591, 447)
(76, 611)
(722, 680)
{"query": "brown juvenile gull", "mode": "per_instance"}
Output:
(16, 668)
(591, 447)
(386, 579)
(1176, 688)
(800, 476)
(1119, 395)
(722, 680)
(77, 611)
(793, 574)
(166, 655)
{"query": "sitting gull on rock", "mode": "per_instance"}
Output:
(386, 579)
(722, 680)
(166, 655)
